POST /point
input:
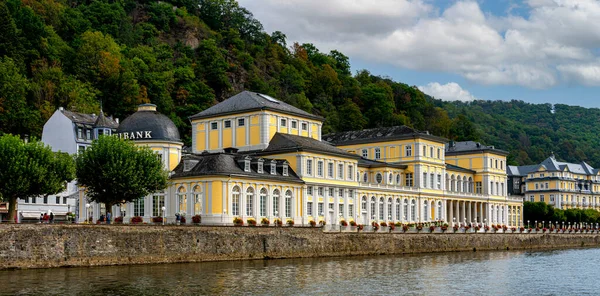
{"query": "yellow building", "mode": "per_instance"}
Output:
(255, 157)
(561, 184)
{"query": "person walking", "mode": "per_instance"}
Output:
(51, 217)
(108, 216)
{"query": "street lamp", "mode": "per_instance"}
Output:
(163, 214)
(528, 224)
(453, 221)
(87, 209)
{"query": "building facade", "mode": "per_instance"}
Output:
(561, 184)
(253, 156)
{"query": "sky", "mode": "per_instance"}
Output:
(539, 51)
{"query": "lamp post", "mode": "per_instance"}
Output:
(543, 224)
(163, 214)
(453, 221)
(528, 224)
(87, 211)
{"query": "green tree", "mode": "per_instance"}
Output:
(116, 171)
(30, 170)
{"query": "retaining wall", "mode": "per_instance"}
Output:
(41, 246)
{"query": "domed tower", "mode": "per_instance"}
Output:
(150, 128)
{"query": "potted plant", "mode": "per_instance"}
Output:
(344, 223)
(182, 220)
(522, 229)
(251, 221)
(289, 222)
(119, 220)
(312, 223)
(504, 227)
(322, 223)
(383, 224)
(375, 226)
(444, 227)
(477, 228)
(359, 227)
(196, 219)
(486, 228)
(405, 227)
(391, 226)
(265, 222)
(237, 221)
(157, 220)
(136, 220)
(353, 223)
(419, 227)
(513, 229)
(277, 222)
(431, 228)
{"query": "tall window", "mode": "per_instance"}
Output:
(330, 169)
(340, 171)
(320, 209)
(408, 150)
(309, 166)
(350, 172)
(263, 202)
(431, 181)
(365, 153)
(389, 209)
(413, 210)
(363, 204)
(45, 199)
(409, 179)
(542, 199)
(351, 210)
(398, 209)
(381, 213)
(276, 203)
(288, 204)
(439, 181)
(365, 177)
(405, 211)
(478, 188)
(341, 209)
(320, 168)
(197, 199)
(250, 201)
(431, 152)
(138, 207)
(58, 200)
(372, 214)
(309, 208)
(426, 210)
(235, 201)
(182, 198)
(398, 179)
(424, 181)
(439, 153)
(158, 202)
(377, 153)
(424, 151)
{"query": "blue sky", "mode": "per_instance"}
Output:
(539, 51)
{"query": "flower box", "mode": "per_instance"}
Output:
(196, 219)
(312, 223)
(238, 221)
(278, 222)
(353, 223)
(289, 222)
(157, 219)
(343, 223)
(119, 220)
(136, 220)
(251, 222)
(375, 226)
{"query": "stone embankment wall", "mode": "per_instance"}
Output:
(41, 246)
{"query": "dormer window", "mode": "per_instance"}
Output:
(246, 165)
(273, 167)
(260, 166)
(189, 164)
(79, 133)
(285, 169)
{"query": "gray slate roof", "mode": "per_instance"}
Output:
(90, 119)
(228, 164)
(369, 163)
(457, 168)
(469, 147)
(552, 165)
(286, 143)
(160, 126)
(251, 101)
(378, 135)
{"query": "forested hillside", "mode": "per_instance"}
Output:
(186, 55)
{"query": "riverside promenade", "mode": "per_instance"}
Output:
(45, 246)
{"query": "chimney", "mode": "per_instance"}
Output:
(61, 109)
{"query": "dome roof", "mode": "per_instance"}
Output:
(148, 124)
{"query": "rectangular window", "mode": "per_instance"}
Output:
(321, 191)
(547, 186)
(531, 198)
(478, 188)
(309, 190)
(551, 198)
(227, 123)
(439, 181)
(340, 171)
(158, 203)
(331, 192)
(320, 209)
(377, 153)
(273, 168)
(424, 181)
(80, 133)
(26, 199)
(64, 200)
(283, 122)
(241, 122)
(246, 166)
(309, 166)
(309, 208)
(409, 179)
(294, 124)
(45, 200)
(88, 134)
(341, 193)
(138, 207)
(542, 198)
(214, 125)
(80, 148)
(431, 152)
(365, 153)
(351, 210)
(439, 153)
(58, 200)
(260, 167)
(285, 169)
(350, 172)
(304, 126)
(431, 181)
(492, 188)
(320, 168)
(408, 150)
(341, 210)
(330, 169)
(33, 200)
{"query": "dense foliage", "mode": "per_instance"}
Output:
(186, 55)
(540, 211)
(115, 171)
(30, 170)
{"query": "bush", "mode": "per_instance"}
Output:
(290, 222)
(238, 221)
(251, 221)
(383, 224)
(196, 219)
(343, 223)
(352, 223)
(182, 220)
(265, 222)
(137, 219)
(312, 223)
(278, 222)
(118, 220)
(157, 219)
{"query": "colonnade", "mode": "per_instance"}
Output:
(477, 212)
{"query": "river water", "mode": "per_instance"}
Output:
(560, 272)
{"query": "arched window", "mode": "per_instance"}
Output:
(405, 214)
(364, 204)
(182, 199)
(197, 200)
(263, 202)
(389, 212)
(398, 178)
(398, 214)
(365, 178)
(470, 184)
(381, 213)
(452, 183)
(413, 210)
(390, 178)
(276, 197)
(439, 212)
(250, 201)
(372, 213)
(288, 204)
(378, 178)
(458, 184)
(426, 210)
(235, 201)
(465, 184)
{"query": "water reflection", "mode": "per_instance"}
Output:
(482, 273)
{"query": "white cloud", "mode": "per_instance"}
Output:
(450, 91)
(557, 41)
